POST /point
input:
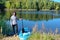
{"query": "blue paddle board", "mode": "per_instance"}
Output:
(25, 35)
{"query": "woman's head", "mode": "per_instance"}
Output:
(14, 13)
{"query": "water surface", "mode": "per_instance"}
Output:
(49, 19)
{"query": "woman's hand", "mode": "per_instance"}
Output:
(20, 18)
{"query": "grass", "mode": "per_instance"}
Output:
(39, 36)
(44, 36)
(1, 36)
(11, 38)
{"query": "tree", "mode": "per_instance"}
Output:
(7, 4)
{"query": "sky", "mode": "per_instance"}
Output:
(56, 0)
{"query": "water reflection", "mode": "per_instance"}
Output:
(40, 15)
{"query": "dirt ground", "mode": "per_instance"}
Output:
(11, 38)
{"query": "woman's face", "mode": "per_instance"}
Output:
(14, 14)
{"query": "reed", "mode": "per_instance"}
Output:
(35, 28)
(42, 35)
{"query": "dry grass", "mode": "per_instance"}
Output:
(11, 38)
(44, 36)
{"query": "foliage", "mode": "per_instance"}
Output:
(32, 4)
(42, 36)
(5, 28)
(7, 4)
(1, 36)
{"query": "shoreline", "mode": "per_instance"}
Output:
(28, 10)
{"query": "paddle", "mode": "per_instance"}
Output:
(22, 27)
(23, 35)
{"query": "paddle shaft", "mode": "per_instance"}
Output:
(22, 27)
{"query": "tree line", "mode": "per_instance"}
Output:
(31, 4)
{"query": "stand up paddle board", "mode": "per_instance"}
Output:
(25, 35)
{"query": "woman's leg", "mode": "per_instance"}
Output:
(16, 29)
(13, 26)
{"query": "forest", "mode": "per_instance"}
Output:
(30, 4)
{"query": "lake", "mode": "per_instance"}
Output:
(47, 20)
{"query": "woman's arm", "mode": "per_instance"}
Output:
(11, 21)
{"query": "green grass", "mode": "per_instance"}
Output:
(44, 36)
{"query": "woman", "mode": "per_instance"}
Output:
(13, 22)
